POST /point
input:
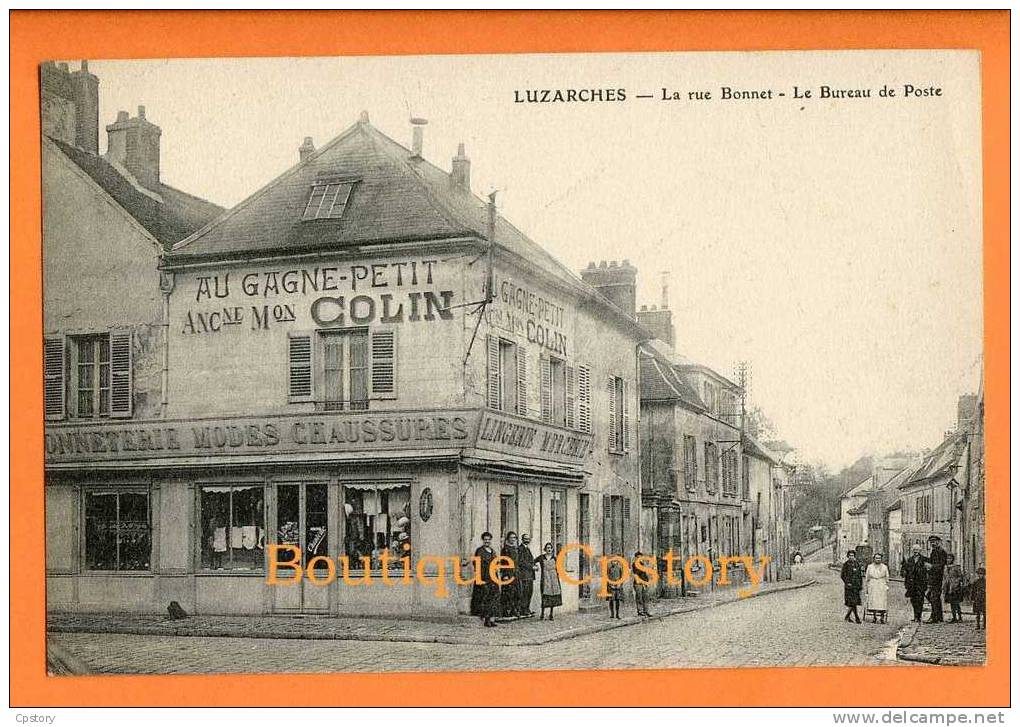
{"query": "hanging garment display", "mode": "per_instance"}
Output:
(219, 540)
(249, 537)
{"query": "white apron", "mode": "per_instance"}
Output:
(876, 585)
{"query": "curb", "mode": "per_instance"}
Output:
(143, 630)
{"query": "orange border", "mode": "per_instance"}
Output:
(41, 35)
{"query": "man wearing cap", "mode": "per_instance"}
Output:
(526, 573)
(915, 578)
(936, 560)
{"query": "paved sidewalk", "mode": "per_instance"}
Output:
(462, 630)
(946, 644)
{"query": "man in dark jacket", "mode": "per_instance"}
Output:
(915, 578)
(526, 574)
(937, 565)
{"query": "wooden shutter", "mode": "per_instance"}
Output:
(626, 508)
(299, 367)
(493, 389)
(54, 390)
(607, 523)
(613, 444)
(625, 444)
(383, 354)
(584, 399)
(570, 374)
(522, 381)
(120, 373)
(546, 367)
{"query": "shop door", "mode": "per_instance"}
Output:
(302, 517)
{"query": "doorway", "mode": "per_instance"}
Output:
(302, 520)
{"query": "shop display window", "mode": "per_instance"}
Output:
(233, 535)
(378, 519)
(117, 530)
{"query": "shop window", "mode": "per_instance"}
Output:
(328, 201)
(233, 535)
(378, 519)
(117, 530)
(557, 519)
(619, 416)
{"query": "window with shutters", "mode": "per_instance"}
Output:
(507, 374)
(557, 519)
(730, 463)
(328, 201)
(619, 416)
(584, 399)
(99, 376)
(558, 392)
(614, 507)
(342, 369)
(745, 478)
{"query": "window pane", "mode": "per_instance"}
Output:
(559, 392)
(358, 344)
(508, 376)
(313, 202)
(215, 507)
(316, 525)
(377, 521)
(341, 201)
(333, 371)
(288, 498)
(246, 528)
(135, 542)
(101, 531)
(327, 200)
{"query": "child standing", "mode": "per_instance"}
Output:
(977, 596)
(614, 578)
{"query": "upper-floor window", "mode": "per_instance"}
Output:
(730, 467)
(745, 478)
(507, 376)
(342, 369)
(619, 415)
(328, 200)
(88, 376)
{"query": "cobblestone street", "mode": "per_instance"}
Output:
(802, 627)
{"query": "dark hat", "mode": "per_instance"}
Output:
(934, 538)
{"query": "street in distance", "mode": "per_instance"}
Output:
(728, 93)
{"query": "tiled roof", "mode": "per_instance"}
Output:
(397, 197)
(168, 214)
(940, 462)
(754, 448)
(660, 381)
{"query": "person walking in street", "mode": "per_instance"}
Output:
(510, 594)
(852, 583)
(977, 597)
(615, 592)
(915, 579)
(955, 588)
(936, 569)
(876, 588)
(526, 575)
(552, 591)
(641, 583)
(485, 591)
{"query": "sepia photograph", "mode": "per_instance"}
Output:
(513, 362)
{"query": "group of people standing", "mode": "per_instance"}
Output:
(511, 599)
(934, 576)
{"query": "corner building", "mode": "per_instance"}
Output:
(339, 379)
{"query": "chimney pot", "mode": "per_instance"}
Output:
(63, 66)
(85, 66)
(141, 112)
(460, 170)
(418, 136)
(306, 149)
(363, 118)
(123, 116)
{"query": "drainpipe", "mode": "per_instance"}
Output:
(166, 286)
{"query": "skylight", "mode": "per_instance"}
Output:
(328, 201)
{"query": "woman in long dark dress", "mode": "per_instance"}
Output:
(510, 593)
(485, 591)
(853, 581)
(552, 591)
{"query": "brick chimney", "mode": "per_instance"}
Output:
(966, 410)
(460, 171)
(306, 149)
(417, 136)
(660, 322)
(70, 105)
(616, 281)
(134, 144)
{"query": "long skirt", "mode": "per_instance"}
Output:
(877, 595)
(549, 600)
(851, 596)
(485, 600)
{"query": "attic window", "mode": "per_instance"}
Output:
(328, 201)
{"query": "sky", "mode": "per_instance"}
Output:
(833, 244)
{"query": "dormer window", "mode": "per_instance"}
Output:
(328, 200)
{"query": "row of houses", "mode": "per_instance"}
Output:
(910, 497)
(361, 357)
